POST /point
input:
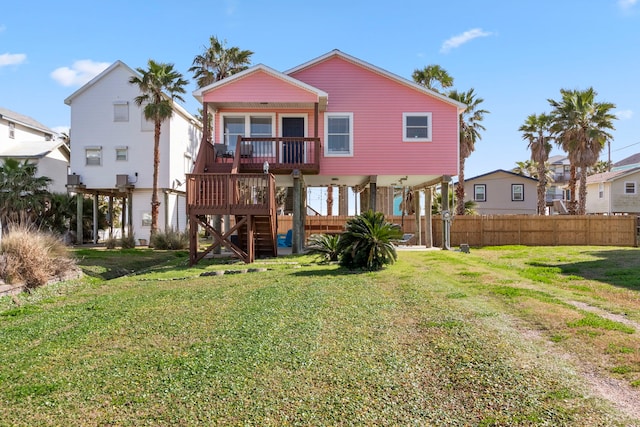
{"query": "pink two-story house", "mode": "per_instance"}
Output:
(333, 121)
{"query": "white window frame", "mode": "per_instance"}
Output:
(120, 111)
(476, 193)
(633, 185)
(124, 149)
(12, 130)
(95, 148)
(247, 124)
(513, 193)
(601, 190)
(405, 116)
(145, 219)
(327, 152)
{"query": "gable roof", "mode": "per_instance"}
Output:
(501, 171)
(337, 53)
(320, 94)
(32, 149)
(611, 176)
(27, 121)
(68, 100)
(631, 160)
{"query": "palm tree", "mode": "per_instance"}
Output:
(159, 85)
(580, 126)
(23, 195)
(470, 128)
(537, 131)
(526, 168)
(217, 62)
(432, 74)
(600, 167)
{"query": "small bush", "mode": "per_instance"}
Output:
(170, 240)
(367, 242)
(325, 246)
(33, 257)
(111, 243)
(128, 242)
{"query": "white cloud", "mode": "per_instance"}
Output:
(463, 38)
(80, 72)
(627, 4)
(624, 114)
(12, 59)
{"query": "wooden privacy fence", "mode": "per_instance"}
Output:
(494, 230)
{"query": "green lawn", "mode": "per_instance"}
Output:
(439, 338)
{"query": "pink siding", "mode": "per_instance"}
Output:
(259, 87)
(377, 104)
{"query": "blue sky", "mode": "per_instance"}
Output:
(515, 54)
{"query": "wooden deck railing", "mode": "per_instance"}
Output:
(230, 194)
(283, 154)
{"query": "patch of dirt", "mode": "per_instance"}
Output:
(607, 315)
(620, 394)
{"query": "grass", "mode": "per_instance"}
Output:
(439, 338)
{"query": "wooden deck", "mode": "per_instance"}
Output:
(283, 156)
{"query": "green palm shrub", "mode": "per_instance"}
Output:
(367, 243)
(325, 246)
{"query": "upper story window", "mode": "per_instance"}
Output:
(416, 127)
(480, 193)
(253, 126)
(120, 111)
(517, 192)
(12, 130)
(122, 154)
(601, 190)
(93, 156)
(338, 134)
(630, 187)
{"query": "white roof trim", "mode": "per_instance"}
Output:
(380, 71)
(133, 72)
(260, 67)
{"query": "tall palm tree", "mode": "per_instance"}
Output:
(537, 131)
(470, 127)
(159, 85)
(580, 126)
(217, 62)
(431, 75)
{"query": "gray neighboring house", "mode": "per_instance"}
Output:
(502, 192)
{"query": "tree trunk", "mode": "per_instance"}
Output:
(572, 190)
(155, 204)
(582, 197)
(542, 188)
(459, 190)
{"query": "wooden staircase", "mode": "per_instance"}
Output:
(216, 188)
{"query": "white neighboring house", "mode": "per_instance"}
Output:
(23, 138)
(615, 192)
(112, 151)
(51, 158)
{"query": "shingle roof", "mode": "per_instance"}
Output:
(610, 176)
(29, 149)
(24, 120)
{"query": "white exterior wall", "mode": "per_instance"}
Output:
(93, 125)
(55, 166)
(22, 133)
